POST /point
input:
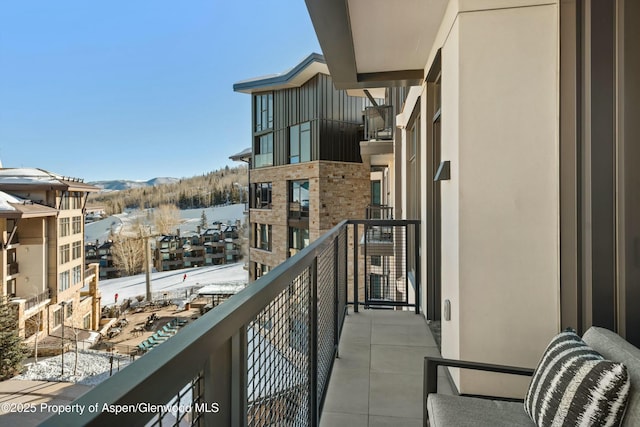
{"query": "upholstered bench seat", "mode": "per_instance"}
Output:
(461, 411)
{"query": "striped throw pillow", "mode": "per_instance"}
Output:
(573, 385)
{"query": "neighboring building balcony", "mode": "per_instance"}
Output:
(378, 123)
(378, 132)
(266, 356)
(299, 210)
(12, 269)
(379, 212)
(38, 301)
(263, 160)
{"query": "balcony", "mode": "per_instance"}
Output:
(263, 160)
(266, 356)
(298, 210)
(37, 300)
(379, 212)
(12, 269)
(378, 133)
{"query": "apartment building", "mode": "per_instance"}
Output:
(305, 169)
(515, 148)
(220, 244)
(43, 271)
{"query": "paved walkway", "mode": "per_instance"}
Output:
(378, 379)
(35, 399)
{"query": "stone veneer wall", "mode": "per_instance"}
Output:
(338, 191)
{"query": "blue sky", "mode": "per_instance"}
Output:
(125, 89)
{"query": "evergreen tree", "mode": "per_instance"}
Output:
(203, 220)
(12, 350)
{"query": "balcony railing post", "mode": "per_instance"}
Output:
(336, 296)
(416, 229)
(313, 345)
(355, 268)
(366, 275)
(225, 382)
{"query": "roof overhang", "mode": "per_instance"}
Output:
(376, 43)
(294, 77)
(243, 156)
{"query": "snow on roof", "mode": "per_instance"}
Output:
(16, 207)
(39, 177)
(6, 199)
(28, 176)
(221, 289)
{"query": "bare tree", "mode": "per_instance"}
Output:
(128, 254)
(166, 218)
(34, 324)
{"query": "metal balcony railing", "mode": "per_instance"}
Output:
(379, 212)
(34, 301)
(378, 123)
(263, 160)
(299, 210)
(262, 358)
(12, 268)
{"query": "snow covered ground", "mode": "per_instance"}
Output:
(170, 281)
(93, 366)
(100, 230)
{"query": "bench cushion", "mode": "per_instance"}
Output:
(574, 385)
(461, 411)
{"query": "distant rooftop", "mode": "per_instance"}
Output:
(294, 77)
(242, 156)
(22, 178)
(15, 207)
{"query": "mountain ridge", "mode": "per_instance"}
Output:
(126, 184)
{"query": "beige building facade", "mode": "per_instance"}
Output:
(42, 224)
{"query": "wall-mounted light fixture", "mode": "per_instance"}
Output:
(444, 171)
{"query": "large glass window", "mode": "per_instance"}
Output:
(379, 286)
(298, 239)
(264, 112)
(298, 199)
(261, 195)
(64, 227)
(64, 253)
(76, 225)
(77, 274)
(76, 250)
(57, 317)
(263, 151)
(300, 143)
(64, 201)
(262, 233)
(63, 281)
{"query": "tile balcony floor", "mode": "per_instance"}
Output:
(378, 378)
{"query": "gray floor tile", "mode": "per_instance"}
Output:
(411, 335)
(377, 421)
(400, 359)
(356, 357)
(396, 395)
(348, 391)
(394, 317)
(336, 419)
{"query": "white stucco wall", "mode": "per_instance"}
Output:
(500, 210)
